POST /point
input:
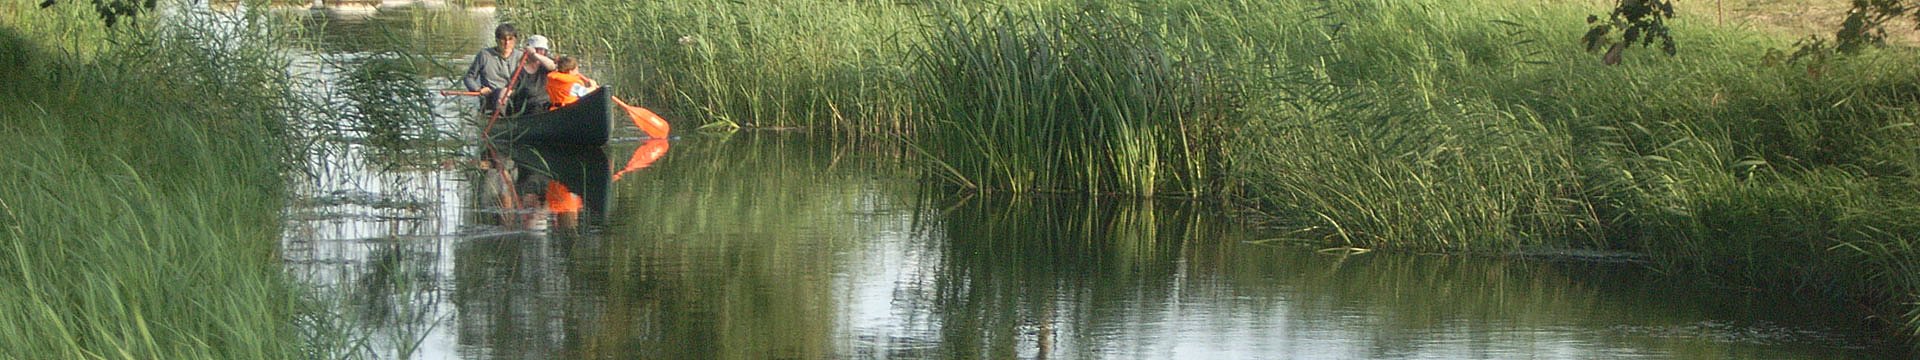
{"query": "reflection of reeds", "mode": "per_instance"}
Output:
(1103, 274)
(392, 304)
(417, 31)
(1008, 265)
(506, 294)
(728, 256)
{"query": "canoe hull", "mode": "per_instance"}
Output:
(588, 122)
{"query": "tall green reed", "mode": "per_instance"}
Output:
(1087, 99)
(830, 65)
(145, 168)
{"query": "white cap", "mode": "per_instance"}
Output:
(537, 42)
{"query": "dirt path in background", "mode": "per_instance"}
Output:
(1796, 18)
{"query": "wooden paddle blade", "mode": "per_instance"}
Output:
(649, 122)
(646, 120)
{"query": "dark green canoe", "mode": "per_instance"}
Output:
(585, 123)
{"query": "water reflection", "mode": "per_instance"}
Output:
(417, 29)
(770, 247)
(568, 182)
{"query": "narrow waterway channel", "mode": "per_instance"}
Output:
(778, 245)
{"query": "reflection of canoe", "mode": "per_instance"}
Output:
(581, 170)
(585, 123)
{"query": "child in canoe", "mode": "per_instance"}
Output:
(565, 85)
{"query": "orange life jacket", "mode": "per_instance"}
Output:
(560, 87)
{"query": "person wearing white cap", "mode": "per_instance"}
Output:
(538, 44)
(529, 92)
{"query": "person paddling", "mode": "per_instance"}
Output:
(565, 85)
(530, 91)
(492, 69)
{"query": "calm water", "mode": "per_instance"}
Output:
(774, 245)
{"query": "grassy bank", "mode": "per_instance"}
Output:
(143, 166)
(1450, 126)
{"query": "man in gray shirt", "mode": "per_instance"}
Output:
(493, 67)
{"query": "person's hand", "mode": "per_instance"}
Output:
(486, 91)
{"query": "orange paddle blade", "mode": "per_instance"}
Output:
(646, 120)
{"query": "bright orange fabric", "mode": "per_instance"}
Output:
(644, 156)
(560, 87)
(646, 120)
(561, 200)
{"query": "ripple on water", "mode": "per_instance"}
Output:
(367, 199)
(1755, 333)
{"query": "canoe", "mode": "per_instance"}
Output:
(585, 123)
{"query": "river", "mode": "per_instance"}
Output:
(773, 244)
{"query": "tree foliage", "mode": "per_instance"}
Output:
(111, 11)
(1637, 21)
(1866, 22)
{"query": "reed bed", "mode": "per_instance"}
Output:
(1080, 100)
(144, 166)
(1725, 161)
(1366, 139)
(831, 65)
(1441, 126)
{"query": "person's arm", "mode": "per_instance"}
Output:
(474, 73)
(545, 62)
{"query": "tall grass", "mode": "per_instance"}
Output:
(831, 65)
(1367, 140)
(1722, 161)
(143, 171)
(928, 72)
(1085, 99)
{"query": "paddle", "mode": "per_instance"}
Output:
(646, 120)
(459, 93)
